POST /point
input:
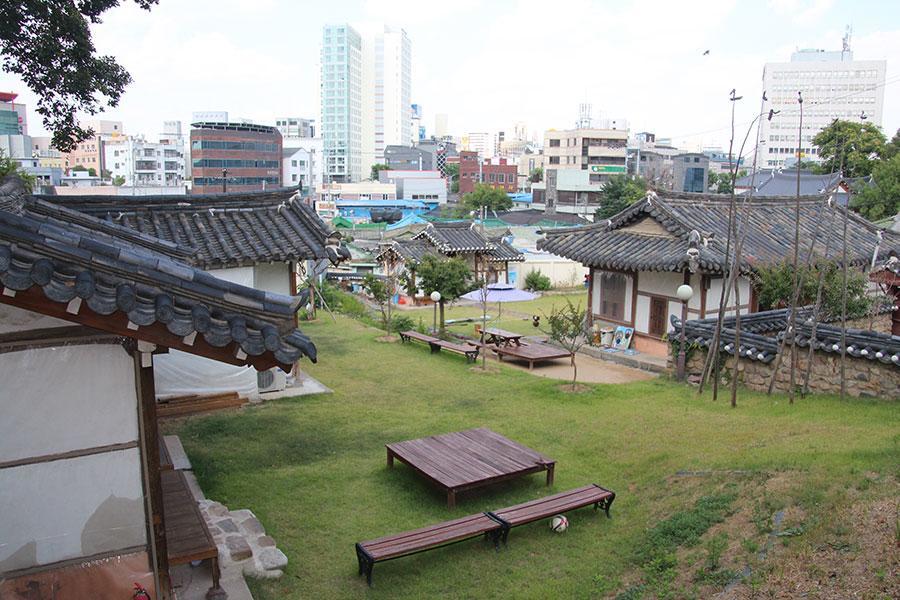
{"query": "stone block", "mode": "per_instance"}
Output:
(272, 558)
(216, 509)
(252, 526)
(238, 548)
(264, 541)
(227, 525)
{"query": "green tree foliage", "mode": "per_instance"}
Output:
(721, 182)
(79, 168)
(484, 195)
(618, 193)
(892, 148)
(857, 144)
(536, 175)
(381, 294)
(566, 327)
(537, 281)
(48, 44)
(452, 278)
(452, 171)
(774, 286)
(376, 168)
(10, 167)
(118, 180)
(881, 200)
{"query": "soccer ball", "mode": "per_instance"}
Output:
(559, 523)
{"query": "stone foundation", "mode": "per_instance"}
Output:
(865, 378)
(242, 541)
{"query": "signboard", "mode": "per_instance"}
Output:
(607, 169)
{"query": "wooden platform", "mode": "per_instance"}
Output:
(187, 536)
(189, 405)
(464, 460)
(532, 352)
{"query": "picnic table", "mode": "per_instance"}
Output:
(501, 337)
(464, 460)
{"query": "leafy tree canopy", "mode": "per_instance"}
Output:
(10, 167)
(774, 285)
(618, 193)
(536, 175)
(451, 278)
(376, 168)
(858, 144)
(495, 199)
(48, 44)
(883, 198)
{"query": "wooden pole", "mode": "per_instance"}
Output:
(844, 301)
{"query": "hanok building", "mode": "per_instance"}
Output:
(264, 240)
(638, 258)
(86, 308)
(486, 257)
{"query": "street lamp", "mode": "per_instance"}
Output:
(435, 297)
(224, 180)
(684, 293)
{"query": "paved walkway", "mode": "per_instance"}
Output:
(590, 370)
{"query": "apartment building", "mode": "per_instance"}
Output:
(600, 152)
(142, 163)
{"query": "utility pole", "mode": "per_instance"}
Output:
(224, 180)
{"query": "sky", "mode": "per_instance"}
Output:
(487, 64)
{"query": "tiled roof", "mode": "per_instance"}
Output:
(533, 216)
(458, 237)
(756, 345)
(504, 252)
(222, 230)
(409, 251)
(72, 260)
(784, 183)
(656, 234)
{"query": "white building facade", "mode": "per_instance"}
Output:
(834, 86)
(143, 163)
(342, 102)
(302, 163)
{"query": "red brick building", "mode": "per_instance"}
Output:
(499, 175)
(250, 156)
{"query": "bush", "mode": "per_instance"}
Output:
(537, 281)
(402, 323)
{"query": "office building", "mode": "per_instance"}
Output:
(601, 152)
(480, 142)
(13, 117)
(236, 157)
(296, 127)
(427, 186)
(408, 158)
(210, 116)
(834, 86)
(392, 94)
(674, 170)
(417, 127)
(88, 153)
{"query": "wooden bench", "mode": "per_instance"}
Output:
(471, 353)
(406, 336)
(543, 508)
(426, 538)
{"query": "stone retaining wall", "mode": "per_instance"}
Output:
(865, 378)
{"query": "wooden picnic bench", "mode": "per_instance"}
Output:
(187, 536)
(427, 538)
(494, 525)
(438, 344)
(543, 508)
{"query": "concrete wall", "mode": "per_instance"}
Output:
(274, 277)
(562, 272)
(73, 399)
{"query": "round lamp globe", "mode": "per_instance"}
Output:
(684, 292)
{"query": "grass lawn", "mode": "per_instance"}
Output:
(313, 470)
(511, 313)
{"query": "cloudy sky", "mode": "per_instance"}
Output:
(488, 64)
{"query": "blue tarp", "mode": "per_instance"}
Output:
(407, 220)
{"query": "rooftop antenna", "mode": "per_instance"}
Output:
(584, 115)
(848, 34)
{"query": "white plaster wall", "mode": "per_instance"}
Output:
(71, 508)
(275, 277)
(666, 283)
(562, 273)
(715, 291)
(629, 291)
(56, 400)
(16, 319)
(240, 275)
(642, 318)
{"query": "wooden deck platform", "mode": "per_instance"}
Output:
(187, 536)
(463, 460)
(530, 352)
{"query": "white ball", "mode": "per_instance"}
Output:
(559, 523)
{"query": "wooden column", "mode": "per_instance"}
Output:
(149, 442)
(590, 299)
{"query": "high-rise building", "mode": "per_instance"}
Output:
(392, 56)
(834, 86)
(417, 129)
(238, 156)
(342, 103)
(480, 142)
(441, 125)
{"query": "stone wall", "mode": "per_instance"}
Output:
(865, 378)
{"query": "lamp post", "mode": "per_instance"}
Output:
(224, 180)
(435, 297)
(684, 293)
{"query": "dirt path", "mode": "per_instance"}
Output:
(590, 370)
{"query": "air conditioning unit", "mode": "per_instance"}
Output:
(273, 380)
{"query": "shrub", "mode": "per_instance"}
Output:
(403, 323)
(537, 281)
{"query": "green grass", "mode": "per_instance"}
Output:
(313, 468)
(511, 313)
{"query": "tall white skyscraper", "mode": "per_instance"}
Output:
(342, 99)
(834, 86)
(366, 97)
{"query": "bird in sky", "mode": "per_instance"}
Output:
(706, 53)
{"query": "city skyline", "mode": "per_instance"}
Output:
(643, 64)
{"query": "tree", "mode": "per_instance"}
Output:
(775, 289)
(882, 199)
(892, 148)
(484, 195)
(536, 175)
(618, 193)
(376, 168)
(79, 168)
(451, 278)
(567, 328)
(537, 281)
(381, 293)
(92, 172)
(721, 182)
(49, 45)
(9, 167)
(452, 172)
(855, 145)
(118, 180)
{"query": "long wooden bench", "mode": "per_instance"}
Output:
(438, 344)
(543, 508)
(426, 538)
(406, 336)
